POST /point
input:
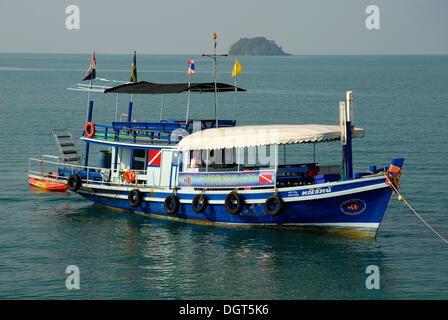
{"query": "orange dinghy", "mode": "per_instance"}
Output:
(47, 185)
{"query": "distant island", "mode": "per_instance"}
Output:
(255, 46)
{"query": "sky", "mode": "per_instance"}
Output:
(185, 26)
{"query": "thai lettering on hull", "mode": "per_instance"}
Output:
(316, 191)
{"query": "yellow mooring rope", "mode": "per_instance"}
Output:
(401, 198)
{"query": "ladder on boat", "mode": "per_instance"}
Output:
(66, 146)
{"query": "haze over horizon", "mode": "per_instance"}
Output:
(185, 27)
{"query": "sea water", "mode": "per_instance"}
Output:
(401, 102)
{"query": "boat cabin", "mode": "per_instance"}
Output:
(248, 157)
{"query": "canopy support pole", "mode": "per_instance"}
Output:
(238, 150)
(284, 154)
(130, 108)
(89, 119)
(276, 166)
(179, 154)
(348, 152)
(161, 107)
(116, 107)
(349, 128)
(88, 103)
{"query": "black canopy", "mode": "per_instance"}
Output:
(144, 87)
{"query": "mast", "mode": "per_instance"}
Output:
(214, 79)
(215, 70)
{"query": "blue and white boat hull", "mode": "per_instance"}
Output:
(354, 206)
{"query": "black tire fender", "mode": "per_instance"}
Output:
(171, 204)
(135, 198)
(234, 203)
(277, 202)
(74, 182)
(199, 199)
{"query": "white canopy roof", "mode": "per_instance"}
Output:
(250, 136)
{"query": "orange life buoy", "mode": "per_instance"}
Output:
(129, 176)
(89, 129)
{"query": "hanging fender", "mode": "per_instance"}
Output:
(171, 204)
(200, 200)
(74, 182)
(234, 203)
(135, 198)
(273, 205)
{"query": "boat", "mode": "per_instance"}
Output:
(201, 171)
(48, 185)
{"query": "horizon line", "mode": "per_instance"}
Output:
(261, 55)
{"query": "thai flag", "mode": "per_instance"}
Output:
(191, 70)
(91, 74)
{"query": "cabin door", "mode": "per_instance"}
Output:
(165, 169)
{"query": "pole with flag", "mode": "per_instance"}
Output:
(236, 69)
(133, 78)
(191, 71)
(90, 75)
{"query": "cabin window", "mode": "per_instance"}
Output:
(218, 159)
(139, 160)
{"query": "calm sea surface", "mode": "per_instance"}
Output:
(401, 102)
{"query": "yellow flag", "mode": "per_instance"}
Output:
(236, 68)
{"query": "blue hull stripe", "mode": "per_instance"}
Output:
(369, 198)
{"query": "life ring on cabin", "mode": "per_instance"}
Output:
(89, 129)
(200, 200)
(273, 205)
(171, 204)
(234, 203)
(135, 198)
(74, 182)
(129, 176)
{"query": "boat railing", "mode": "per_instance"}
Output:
(152, 132)
(129, 132)
(57, 171)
